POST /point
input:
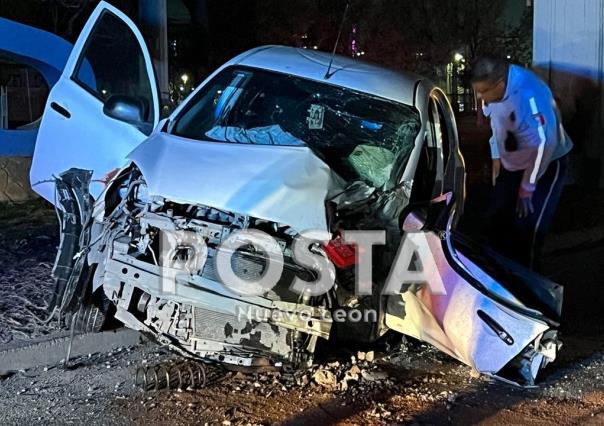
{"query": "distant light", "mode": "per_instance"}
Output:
(362, 52)
(458, 57)
(184, 78)
(182, 88)
(509, 57)
(104, 91)
(315, 47)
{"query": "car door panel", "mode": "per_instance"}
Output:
(74, 131)
(484, 319)
(461, 322)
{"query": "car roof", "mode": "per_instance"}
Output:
(345, 72)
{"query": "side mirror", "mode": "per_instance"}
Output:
(125, 108)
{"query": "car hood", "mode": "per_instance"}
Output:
(283, 184)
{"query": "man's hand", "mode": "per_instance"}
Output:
(495, 170)
(524, 206)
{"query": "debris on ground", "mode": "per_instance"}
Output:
(325, 378)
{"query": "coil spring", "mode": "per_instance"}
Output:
(182, 375)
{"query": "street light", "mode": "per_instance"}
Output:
(458, 57)
(184, 78)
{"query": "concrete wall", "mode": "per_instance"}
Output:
(16, 147)
(568, 51)
(14, 179)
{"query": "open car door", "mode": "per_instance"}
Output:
(104, 104)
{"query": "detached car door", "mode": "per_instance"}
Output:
(489, 312)
(104, 104)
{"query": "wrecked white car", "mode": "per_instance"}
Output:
(279, 141)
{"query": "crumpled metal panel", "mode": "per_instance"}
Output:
(460, 321)
(283, 184)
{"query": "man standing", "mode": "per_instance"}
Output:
(529, 149)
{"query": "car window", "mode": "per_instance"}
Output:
(112, 63)
(358, 135)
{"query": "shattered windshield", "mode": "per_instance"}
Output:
(358, 135)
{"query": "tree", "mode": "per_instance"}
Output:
(519, 39)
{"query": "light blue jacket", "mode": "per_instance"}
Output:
(527, 129)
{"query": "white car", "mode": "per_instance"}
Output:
(278, 140)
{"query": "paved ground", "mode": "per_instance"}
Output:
(415, 386)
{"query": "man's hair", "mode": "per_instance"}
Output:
(489, 69)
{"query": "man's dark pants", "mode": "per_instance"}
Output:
(521, 239)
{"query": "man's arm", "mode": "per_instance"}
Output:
(532, 134)
(496, 162)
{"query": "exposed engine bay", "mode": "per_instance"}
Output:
(199, 316)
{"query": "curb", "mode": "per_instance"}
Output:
(53, 350)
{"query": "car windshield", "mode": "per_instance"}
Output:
(360, 136)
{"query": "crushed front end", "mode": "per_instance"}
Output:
(145, 255)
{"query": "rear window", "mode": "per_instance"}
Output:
(358, 135)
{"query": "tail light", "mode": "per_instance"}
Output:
(342, 255)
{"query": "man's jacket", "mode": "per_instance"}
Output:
(527, 129)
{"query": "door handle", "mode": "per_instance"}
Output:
(496, 327)
(61, 110)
